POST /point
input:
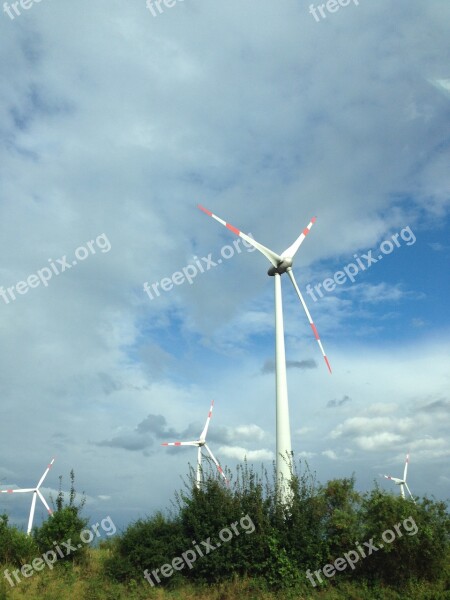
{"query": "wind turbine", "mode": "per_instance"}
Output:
(36, 492)
(402, 482)
(200, 443)
(281, 263)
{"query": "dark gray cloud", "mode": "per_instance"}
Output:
(154, 429)
(144, 434)
(130, 442)
(269, 365)
(157, 425)
(108, 383)
(150, 430)
(337, 403)
(441, 405)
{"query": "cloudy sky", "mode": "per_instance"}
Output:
(115, 124)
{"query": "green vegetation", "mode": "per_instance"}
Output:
(265, 550)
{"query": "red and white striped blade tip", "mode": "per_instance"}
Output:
(316, 335)
(179, 444)
(17, 490)
(229, 226)
(292, 250)
(271, 256)
(308, 316)
(208, 419)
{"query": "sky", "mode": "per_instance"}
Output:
(114, 125)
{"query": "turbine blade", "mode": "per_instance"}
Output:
(44, 502)
(199, 466)
(219, 468)
(45, 474)
(30, 520)
(409, 491)
(271, 256)
(394, 479)
(179, 444)
(292, 250)
(406, 467)
(313, 327)
(18, 491)
(205, 429)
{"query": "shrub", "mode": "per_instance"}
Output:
(64, 526)
(16, 548)
(146, 544)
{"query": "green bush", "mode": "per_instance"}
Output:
(145, 544)
(318, 525)
(420, 547)
(16, 548)
(64, 526)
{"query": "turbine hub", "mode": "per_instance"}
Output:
(282, 267)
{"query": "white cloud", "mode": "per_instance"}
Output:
(377, 442)
(303, 431)
(443, 85)
(330, 454)
(382, 408)
(238, 453)
(249, 433)
(305, 454)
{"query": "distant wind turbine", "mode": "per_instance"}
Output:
(36, 492)
(200, 443)
(402, 482)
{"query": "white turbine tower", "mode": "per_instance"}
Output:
(36, 492)
(402, 482)
(199, 444)
(281, 263)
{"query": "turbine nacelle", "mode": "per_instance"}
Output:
(284, 264)
(395, 480)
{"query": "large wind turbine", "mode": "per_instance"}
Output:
(402, 482)
(281, 263)
(200, 443)
(36, 492)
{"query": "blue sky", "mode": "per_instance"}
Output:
(118, 123)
